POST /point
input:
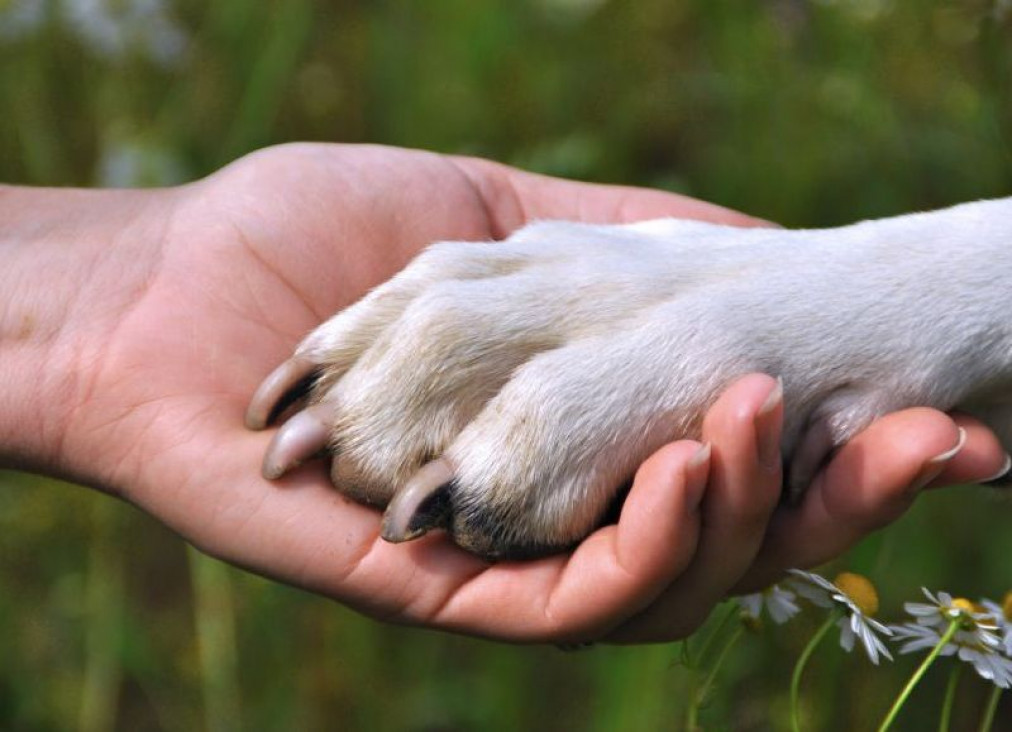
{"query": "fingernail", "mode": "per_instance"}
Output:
(696, 473)
(934, 467)
(768, 422)
(701, 457)
(1000, 479)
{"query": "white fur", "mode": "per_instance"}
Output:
(546, 367)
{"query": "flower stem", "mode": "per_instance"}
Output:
(799, 667)
(699, 696)
(989, 711)
(950, 697)
(696, 661)
(730, 612)
(921, 670)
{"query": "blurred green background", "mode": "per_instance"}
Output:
(806, 112)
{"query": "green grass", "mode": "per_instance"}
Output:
(808, 113)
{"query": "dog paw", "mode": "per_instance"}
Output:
(506, 392)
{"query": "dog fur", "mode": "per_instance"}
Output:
(533, 375)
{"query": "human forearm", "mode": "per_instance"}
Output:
(60, 290)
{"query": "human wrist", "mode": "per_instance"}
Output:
(56, 284)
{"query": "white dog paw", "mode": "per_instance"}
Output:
(507, 391)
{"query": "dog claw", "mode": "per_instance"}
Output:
(286, 384)
(421, 505)
(299, 439)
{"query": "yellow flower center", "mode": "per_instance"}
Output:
(860, 590)
(961, 603)
(1006, 606)
(968, 610)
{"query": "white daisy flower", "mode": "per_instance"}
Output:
(977, 640)
(856, 597)
(1003, 616)
(979, 648)
(779, 604)
(943, 609)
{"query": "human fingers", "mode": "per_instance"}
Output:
(514, 197)
(612, 575)
(981, 460)
(743, 427)
(869, 483)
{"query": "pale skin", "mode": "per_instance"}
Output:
(134, 326)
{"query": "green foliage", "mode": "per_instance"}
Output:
(808, 113)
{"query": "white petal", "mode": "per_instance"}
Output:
(751, 605)
(919, 608)
(917, 645)
(812, 587)
(878, 627)
(782, 609)
(846, 636)
(873, 644)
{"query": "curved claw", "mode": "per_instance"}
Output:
(299, 439)
(282, 387)
(422, 504)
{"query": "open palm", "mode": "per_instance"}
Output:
(239, 266)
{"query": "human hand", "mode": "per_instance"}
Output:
(154, 336)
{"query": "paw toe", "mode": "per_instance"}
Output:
(302, 437)
(287, 384)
